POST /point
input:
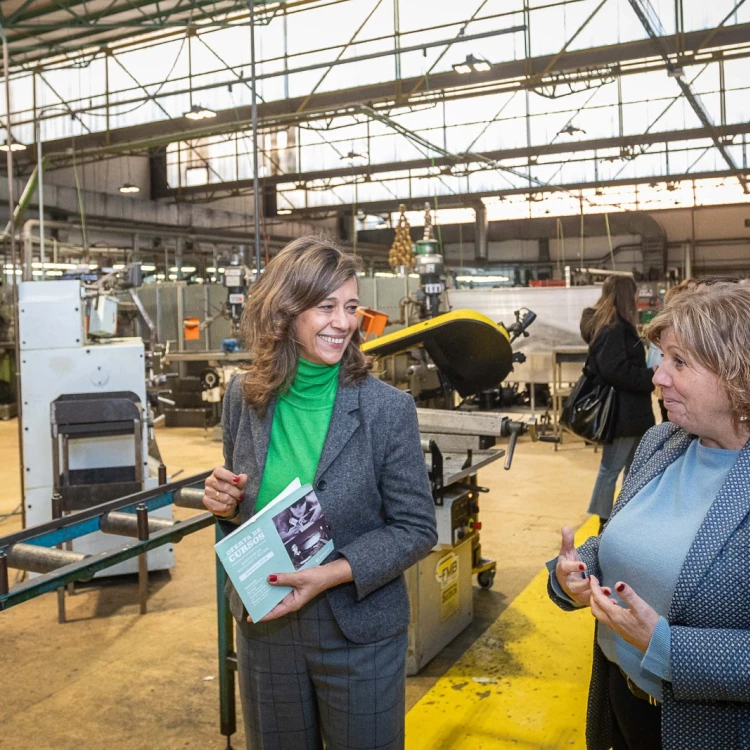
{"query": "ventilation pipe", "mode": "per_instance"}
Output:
(481, 249)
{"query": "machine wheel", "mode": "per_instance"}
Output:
(210, 379)
(486, 578)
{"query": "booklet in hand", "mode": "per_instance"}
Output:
(289, 534)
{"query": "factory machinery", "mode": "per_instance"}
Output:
(128, 531)
(84, 408)
(460, 352)
(92, 489)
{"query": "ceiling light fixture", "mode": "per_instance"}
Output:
(353, 157)
(472, 64)
(197, 112)
(14, 146)
(571, 130)
(129, 188)
(283, 212)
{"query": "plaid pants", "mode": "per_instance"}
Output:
(303, 684)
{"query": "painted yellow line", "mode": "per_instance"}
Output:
(522, 684)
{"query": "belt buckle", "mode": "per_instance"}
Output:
(638, 692)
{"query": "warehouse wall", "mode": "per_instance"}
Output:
(526, 251)
(105, 176)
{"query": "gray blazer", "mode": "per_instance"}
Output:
(707, 704)
(372, 484)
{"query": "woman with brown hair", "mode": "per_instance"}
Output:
(326, 665)
(617, 356)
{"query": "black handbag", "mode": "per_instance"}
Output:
(591, 409)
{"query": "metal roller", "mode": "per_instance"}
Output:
(126, 524)
(37, 559)
(189, 497)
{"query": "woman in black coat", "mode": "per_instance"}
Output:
(618, 357)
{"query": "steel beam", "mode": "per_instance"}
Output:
(651, 23)
(594, 144)
(512, 74)
(415, 202)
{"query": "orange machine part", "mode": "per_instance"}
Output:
(371, 322)
(192, 329)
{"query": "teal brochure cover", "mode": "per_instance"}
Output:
(289, 534)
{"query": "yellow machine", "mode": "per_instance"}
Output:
(469, 353)
(469, 350)
(460, 352)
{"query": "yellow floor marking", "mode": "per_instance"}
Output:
(522, 684)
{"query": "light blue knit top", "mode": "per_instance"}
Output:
(645, 545)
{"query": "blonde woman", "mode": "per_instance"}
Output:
(327, 665)
(667, 580)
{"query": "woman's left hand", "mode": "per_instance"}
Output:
(306, 585)
(636, 624)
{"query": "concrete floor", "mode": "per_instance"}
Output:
(110, 677)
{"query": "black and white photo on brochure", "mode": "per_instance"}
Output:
(303, 529)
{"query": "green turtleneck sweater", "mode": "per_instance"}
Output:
(299, 429)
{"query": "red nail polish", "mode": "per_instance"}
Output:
(242, 496)
(606, 592)
(272, 579)
(582, 567)
(620, 587)
(235, 480)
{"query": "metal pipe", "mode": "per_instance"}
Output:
(126, 524)
(131, 230)
(142, 523)
(40, 168)
(181, 325)
(4, 585)
(14, 263)
(37, 559)
(254, 107)
(189, 497)
(481, 246)
(57, 511)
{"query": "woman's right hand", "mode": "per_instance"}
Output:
(222, 491)
(571, 571)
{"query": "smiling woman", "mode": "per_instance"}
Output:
(324, 331)
(328, 662)
(665, 578)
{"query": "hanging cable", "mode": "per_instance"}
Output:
(609, 239)
(560, 247)
(84, 233)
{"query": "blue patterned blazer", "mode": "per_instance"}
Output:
(707, 704)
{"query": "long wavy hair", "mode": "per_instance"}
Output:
(307, 271)
(618, 299)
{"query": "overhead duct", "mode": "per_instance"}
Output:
(481, 246)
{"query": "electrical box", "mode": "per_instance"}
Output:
(233, 276)
(103, 317)
(50, 315)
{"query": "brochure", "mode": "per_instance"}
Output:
(289, 534)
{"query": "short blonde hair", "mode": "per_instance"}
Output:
(713, 324)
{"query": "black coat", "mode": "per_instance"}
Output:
(618, 356)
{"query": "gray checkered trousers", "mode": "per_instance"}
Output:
(303, 682)
(707, 704)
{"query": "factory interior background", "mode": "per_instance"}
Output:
(491, 162)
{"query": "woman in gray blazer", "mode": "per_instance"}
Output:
(328, 663)
(667, 580)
